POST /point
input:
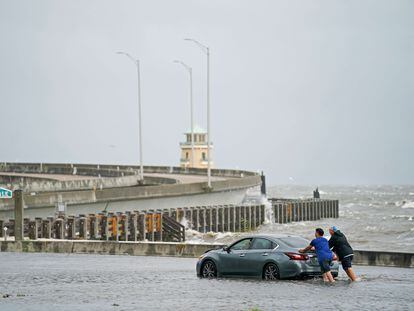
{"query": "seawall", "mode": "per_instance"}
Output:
(362, 257)
(382, 258)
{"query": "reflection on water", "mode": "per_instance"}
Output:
(93, 282)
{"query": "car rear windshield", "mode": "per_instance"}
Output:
(295, 242)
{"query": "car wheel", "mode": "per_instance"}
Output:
(271, 272)
(209, 270)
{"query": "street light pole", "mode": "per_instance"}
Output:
(206, 50)
(190, 72)
(137, 64)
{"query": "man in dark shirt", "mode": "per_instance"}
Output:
(339, 244)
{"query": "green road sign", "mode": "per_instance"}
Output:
(5, 193)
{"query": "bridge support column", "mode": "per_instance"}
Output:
(46, 229)
(133, 221)
(336, 215)
(209, 219)
(214, 219)
(329, 208)
(33, 229)
(198, 219)
(71, 227)
(276, 213)
(258, 216)
(253, 217)
(220, 218)
(141, 227)
(233, 215)
(93, 228)
(226, 220)
(82, 227)
(59, 228)
(250, 215)
(238, 218)
(194, 218)
(203, 214)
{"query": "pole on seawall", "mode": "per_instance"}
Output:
(263, 185)
(18, 215)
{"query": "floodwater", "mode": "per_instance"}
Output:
(98, 282)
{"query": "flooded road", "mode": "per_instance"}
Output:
(98, 282)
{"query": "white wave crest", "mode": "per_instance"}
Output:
(408, 204)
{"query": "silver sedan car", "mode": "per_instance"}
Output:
(268, 256)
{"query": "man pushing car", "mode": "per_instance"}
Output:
(323, 253)
(340, 246)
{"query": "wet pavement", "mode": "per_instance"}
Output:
(98, 282)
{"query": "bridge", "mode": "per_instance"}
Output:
(93, 188)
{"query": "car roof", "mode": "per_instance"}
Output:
(272, 236)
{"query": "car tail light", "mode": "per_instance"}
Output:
(334, 257)
(295, 256)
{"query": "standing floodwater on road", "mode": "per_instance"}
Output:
(97, 282)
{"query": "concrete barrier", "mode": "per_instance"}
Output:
(362, 257)
(108, 248)
(386, 259)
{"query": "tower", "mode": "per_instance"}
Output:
(200, 149)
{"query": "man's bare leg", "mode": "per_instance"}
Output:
(330, 277)
(325, 277)
(351, 274)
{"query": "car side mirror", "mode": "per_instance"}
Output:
(226, 249)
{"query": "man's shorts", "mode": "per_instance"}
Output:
(325, 265)
(347, 262)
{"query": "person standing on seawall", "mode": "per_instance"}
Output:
(340, 246)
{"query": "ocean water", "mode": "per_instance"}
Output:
(372, 217)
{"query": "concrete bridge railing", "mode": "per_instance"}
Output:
(119, 183)
(109, 170)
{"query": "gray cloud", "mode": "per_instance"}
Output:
(321, 91)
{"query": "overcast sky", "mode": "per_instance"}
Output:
(311, 92)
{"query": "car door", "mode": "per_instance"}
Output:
(256, 257)
(232, 261)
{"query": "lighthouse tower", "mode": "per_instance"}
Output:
(198, 147)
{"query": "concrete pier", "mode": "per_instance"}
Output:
(287, 210)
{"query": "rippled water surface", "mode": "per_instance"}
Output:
(98, 282)
(372, 217)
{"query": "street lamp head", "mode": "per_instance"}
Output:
(123, 53)
(129, 56)
(183, 64)
(205, 48)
